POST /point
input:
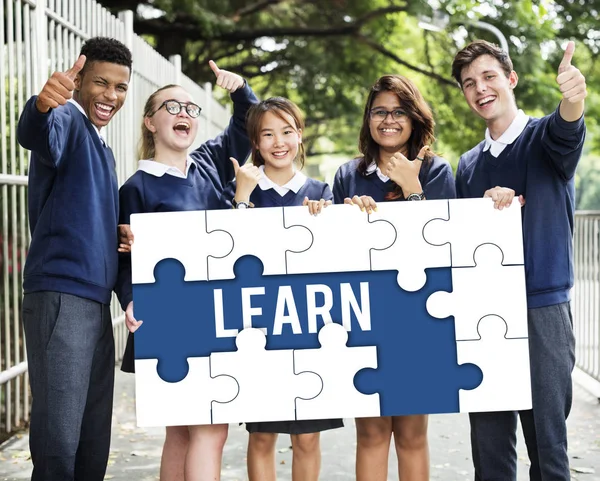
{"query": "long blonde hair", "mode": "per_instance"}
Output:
(147, 149)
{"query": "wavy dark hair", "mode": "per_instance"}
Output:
(278, 106)
(413, 103)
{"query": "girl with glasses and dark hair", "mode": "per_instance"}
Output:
(396, 164)
(171, 179)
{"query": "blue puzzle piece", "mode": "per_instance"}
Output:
(417, 370)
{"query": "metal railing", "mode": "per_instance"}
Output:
(38, 37)
(586, 292)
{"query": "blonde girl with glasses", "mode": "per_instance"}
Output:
(171, 179)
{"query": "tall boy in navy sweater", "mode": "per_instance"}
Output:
(535, 159)
(72, 262)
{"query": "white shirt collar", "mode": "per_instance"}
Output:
(373, 168)
(158, 169)
(100, 132)
(508, 137)
(294, 184)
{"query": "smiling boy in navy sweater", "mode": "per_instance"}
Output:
(72, 262)
(535, 159)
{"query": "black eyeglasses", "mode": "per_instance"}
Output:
(174, 107)
(398, 115)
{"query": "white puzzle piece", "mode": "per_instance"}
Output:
(342, 238)
(504, 362)
(176, 235)
(410, 254)
(246, 228)
(187, 402)
(336, 364)
(487, 288)
(474, 222)
(267, 383)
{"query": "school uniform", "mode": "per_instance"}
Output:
(69, 275)
(435, 176)
(269, 194)
(157, 187)
(537, 158)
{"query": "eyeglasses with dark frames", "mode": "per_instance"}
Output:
(398, 115)
(174, 107)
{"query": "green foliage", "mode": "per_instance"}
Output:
(325, 54)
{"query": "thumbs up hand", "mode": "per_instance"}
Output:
(228, 80)
(247, 178)
(59, 87)
(572, 85)
(570, 80)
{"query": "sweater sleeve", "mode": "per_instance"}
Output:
(326, 194)
(233, 141)
(339, 191)
(440, 181)
(46, 134)
(563, 142)
(130, 202)
(459, 183)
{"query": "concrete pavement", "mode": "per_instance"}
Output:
(135, 452)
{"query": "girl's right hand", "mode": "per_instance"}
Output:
(246, 179)
(315, 206)
(130, 321)
(365, 202)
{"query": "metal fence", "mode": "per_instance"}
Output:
(586, 292)
(38, 37)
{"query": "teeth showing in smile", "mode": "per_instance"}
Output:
(104, 110)
(486, 100)
(182, 127)
(390, 130)
(279, 154)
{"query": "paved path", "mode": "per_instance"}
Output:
(135, 452)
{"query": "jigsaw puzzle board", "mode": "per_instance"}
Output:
(273, 314)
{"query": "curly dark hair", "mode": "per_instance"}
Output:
(105, 49)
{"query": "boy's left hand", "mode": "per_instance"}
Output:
(228, 80)
(315, 206)
(125, 238)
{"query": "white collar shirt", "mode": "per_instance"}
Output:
(373, 168)
(294, 184)
(508, 137)
(159, 169)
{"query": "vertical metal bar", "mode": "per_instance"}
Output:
(9, 231)
(22, 213)
(16, 169)
(4, 361)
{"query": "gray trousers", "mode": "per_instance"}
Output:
(70, 352)
(493, 435)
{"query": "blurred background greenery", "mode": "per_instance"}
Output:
(325, 54)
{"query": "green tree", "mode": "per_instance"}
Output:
(325, 54)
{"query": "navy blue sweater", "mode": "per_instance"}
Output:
(313, 189)
(209, 173)
(73, 204)
(435, 177)
(540, 164)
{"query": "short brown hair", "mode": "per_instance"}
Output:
(278, 106)
(476, 49)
